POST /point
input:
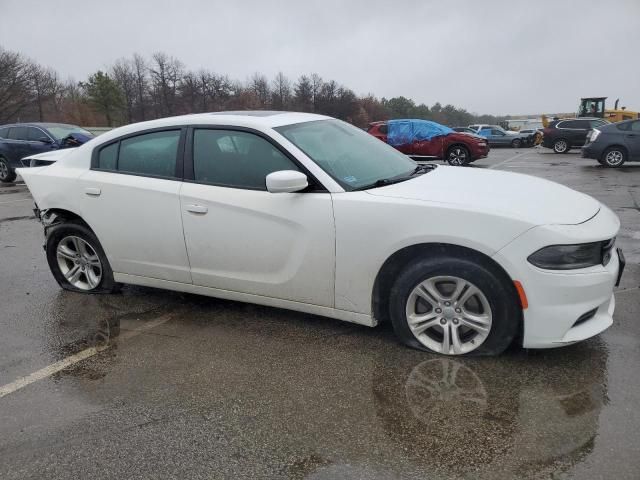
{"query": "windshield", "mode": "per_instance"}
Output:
(63, 131)
(351, 156)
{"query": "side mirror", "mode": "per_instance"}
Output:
(45, 140)
(286, 181)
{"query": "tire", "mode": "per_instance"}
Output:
(516, 143)
(561, 146)
(614, 157)
(458, 156)
(7, 174)
(496, 307)
(77, 260)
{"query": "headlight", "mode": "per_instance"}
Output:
(569, 257)
(595, 133)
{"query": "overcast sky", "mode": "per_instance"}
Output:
(499, 57)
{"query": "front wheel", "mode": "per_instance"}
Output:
(561, 146)
(458, 156)
(77, 261)
(614, 157)
(7, 174)
(516, 143)
(454, 306)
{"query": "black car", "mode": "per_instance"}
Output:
(567, 133)
(614, 144)
(22, 139)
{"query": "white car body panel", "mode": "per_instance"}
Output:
(274, 245)
(52, 156)
(139, 223)
(321, 252)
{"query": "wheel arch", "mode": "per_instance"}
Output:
(56, 215)
(454, 145)
(396, 262)
(615, 145)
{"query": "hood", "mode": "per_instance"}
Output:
(532, 199)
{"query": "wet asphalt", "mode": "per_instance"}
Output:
(185, 386)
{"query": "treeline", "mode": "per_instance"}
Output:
(137, 88)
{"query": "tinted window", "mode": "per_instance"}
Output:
(18, 133)
(150, 154)
(570, 124)
(584, 124)
(497, 132)
(235, 159)
(635, 126)
(107, 158)
(35, 134)
(383, 129)
(4, 132)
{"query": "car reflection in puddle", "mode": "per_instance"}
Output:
(523, 415)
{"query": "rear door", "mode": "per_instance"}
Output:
(131, 200)
(17, 145)
(632, 140)
(242, 238)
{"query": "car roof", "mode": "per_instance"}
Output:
(255, 119)
(39, 124)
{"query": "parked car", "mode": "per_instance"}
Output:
(614, 144)
(22, 139)
(425, 140)
(567, 133)
(498, 136)
(321, 217)
(535, 133)
(464, 130)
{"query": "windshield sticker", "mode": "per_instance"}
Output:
(350, 179)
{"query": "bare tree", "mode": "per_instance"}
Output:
(15, 82)
(140, 79)
(281, 94)
(260, 86)
(124, 75)
(166, 74)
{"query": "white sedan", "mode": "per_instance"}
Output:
(309, 213)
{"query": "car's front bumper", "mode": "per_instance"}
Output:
(567, 306)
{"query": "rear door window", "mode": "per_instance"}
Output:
(4, 132)
(18, 133)
(635, 126)
(151, 154)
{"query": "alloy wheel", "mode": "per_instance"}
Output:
(614, 158)
(560, 146)
(4, 170)
(449, 315)
(79, 263)
(457, 157)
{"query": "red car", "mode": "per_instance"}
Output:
(425, 140)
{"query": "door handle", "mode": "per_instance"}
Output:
(92, 191)
(199, 209)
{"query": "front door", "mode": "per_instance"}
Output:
(632, 140)
(244, 239)
(131, 200)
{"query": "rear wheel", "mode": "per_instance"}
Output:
(614, 157)
(561, 146)
(77, 261)
(454, 306)
(458, 156)
(7, 174)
